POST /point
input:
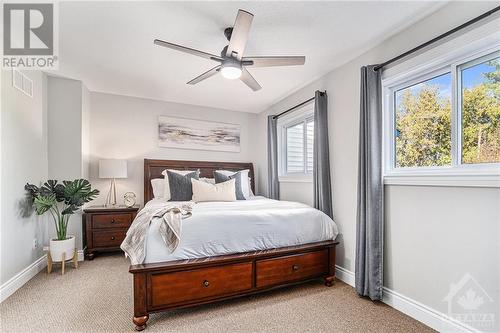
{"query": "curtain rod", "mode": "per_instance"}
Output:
(297, 106)
(446, 34)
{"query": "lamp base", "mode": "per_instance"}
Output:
(111, 197)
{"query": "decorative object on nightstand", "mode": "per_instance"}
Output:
(129, 199)
(62, 200)
(104, 228)
(112, 169)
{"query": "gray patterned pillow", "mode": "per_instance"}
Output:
(181, 188)
(220, 178)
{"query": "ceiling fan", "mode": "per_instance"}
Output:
(232, 64)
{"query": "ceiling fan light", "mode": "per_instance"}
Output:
(231, 71)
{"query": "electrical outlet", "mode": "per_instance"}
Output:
(35, 244)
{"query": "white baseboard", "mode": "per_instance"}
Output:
(17, 281)
(344, 275)
(418, 311)
(435, 319)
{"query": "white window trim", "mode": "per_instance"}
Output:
(303, 114)
(457, 174)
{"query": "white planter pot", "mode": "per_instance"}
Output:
(58, 247)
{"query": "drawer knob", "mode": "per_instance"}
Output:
(295, 267)
(112, 237)
(112, 220)
(206, 283)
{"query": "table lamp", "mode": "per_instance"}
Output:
(112, 169)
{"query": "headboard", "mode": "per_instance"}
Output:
(154, 168)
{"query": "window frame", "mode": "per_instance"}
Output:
(456, 174)
(301, 116)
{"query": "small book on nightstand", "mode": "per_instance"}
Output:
(104, 228)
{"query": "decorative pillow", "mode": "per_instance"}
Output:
(158, 184)
(220, 178)
(166, 185)
(245, 180)
(180, 185)
(208, 180)
(203, 191)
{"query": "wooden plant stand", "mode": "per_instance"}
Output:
(63, 261)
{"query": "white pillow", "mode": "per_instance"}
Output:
(166, 186)
(203, 191)
(157, 184)
(208, 180)
(245, 180)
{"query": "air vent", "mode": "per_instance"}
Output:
(22, 82)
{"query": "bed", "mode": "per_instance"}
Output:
(230, 249)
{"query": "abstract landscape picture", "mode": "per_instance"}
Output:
(198, 134)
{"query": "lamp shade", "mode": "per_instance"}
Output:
(112, 169)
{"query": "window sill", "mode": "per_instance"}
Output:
(295, 179)
(451, 180)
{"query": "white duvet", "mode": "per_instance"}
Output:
(218, 228)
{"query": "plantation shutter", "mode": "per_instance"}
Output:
(295, 148)
(310, 145)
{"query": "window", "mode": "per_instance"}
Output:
(296, 143)
(444, 120)
(310, 145)
(295, 148)
(423, 123)
(480, 101)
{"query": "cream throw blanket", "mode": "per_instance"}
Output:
(172, 214)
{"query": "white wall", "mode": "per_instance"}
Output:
(23, 159)
(427, 227)
(85, 132)
(124, 127)
(435, 235)
(297, 191)
(68, 137)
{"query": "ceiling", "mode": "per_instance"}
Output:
(109, 45)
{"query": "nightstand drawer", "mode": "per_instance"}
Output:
(108, 238)
(118, 220)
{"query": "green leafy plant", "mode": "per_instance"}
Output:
(61, 200)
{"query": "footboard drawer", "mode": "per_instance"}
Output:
(189, 286)
(290, 268)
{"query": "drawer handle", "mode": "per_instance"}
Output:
(206, 284)
(113, 238)
(295, 267)
(113, 221)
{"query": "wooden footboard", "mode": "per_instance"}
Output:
(175, 284)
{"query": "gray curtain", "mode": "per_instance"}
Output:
(321, 156)
(273, 184)
(370, 212)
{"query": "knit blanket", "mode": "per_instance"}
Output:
(171, 213)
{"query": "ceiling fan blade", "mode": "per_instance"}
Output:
(187, 50)
(248, 79)
(206, 75)
(239, 36)
(274, 61)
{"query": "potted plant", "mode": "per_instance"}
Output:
(61, 200)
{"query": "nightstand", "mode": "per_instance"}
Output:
(104, 228)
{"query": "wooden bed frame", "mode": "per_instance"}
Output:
(183, 283)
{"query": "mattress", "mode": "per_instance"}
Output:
(219, 228)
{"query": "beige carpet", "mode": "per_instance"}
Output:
(97, 297)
